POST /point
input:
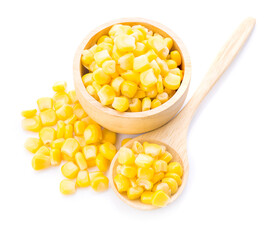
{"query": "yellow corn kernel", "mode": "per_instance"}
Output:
(108, 150)
(106, 95)
(109, 67)
(119, 168)
(40, 162)
(99, 183)
(134, 193)
(109, 136)
(70, 147)
(59, 86)
(137, 147)
(155, 103)
(87, 79)
(146, 104)
(126, 156)
(128, 171)
(152, 93)
(157, 177)
(67, 187)
(126, 61)
(116, 84)
(135, 105)
(152, 149)
(73, 96)
(88, 120)
(160, 199)
(91, 163)
(140, 49)
(64, 112)
(93, 134)
(81, 141)
(162, 186)
(47, 135)
(61, 98)
(156, 43)
(93, 66)
(171, 63)
(175, 167)
(60, 129)
(122, 183)
(89, 152)
(70, 170)
(55, 157)
(43, 151)
(160, 166)
(168, 42)
(155, 67)
(116, 54)
(44, 103)
(138, 35)
(146, 197)
(159, 84)
(172, 81)
(32, 124)
(163, 66)
(119, 29)
(151, 55)
(144, 160)
(163, 54)
(145, 173)
(125, 43)
(167, 157)
(72, 119)
(79, 128)
(32, 144)
(175, 55)
(125, 140)
(101, 162)
(95, 174)
(101, 77)
(68, 131)
(80, 161)
(141, 63)
(29, 113)
(172, 183)
(87, 56)
(92, 91)
(128, 89)
(79, 111)
(146, 184)
(162, 97)
(48, 117)
(175, 176)
(142, 29)
(65, 157)
(121, 104)
(132, 76)
(140, 94)
(104, 46)
(105, 38)
(101, 57)
(133, 182)
(57, 143)
(83, 179)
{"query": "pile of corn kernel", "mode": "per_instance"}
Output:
(132, 69)
(146, 172)
(67, 133)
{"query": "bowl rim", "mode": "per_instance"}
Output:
(152, 112)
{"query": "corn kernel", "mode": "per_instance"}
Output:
(145, 173)
(48, 117)
(79, 128)
(135, 105)
(126, 156)
(106, 95)
(93, 134)
(104, 46)
(146, 184)
(80, 161)
(101, 57)
(121, 104)
(47, 135)
(70, 170)
(99, 183)
(105, 38)
(162, 186)
(140, 49)
(125, 43)
(128, 89)
(108, 150)
(134, 193)
(156, 43)
(175, 55)
(89, 152)
(70, 147)
(64, 112)
(146, 197)
(91, 90)
(40, 162)
(172, 81)
(32, 124)
(44, 103)
(157, 177)
(95, 174)
(160, 199)
(175, 176)
(155, 103)
(152, 93)
(162, 97)
(93, 66)
(88, 120)
(138, 35)
(119, 29)
(101, 77)
(67, 187)
(79, 111)
(167, 157)
(122, 183)
(87, 79)
(141, 63)
(142, 29)
(168, 42)
(57, 143)
(81, 141)
(144, 160)
(73, 96)
(43, 151)
(32, 144)
(126, 61)
(83, 179)
(61, 97)
(29, 113)
(137, 147)
(72, 119)
(65, 157)
(125, 140)
(128, 171)
(109, 67)
(68, 131)
(116, 84)
(172, 183)
(163, 66)
(109, 136)
(55, 157)
(160, 166)
(146, 104)
(101, 162)
(87, 56)
(159, 84)
(175, 167)
(59, 86)
(171, 63)
(152, 149)
(140, 94)
(60, 129)
(132, 76)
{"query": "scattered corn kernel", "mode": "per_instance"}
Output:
(126, 156)
(128, 171)
(175, 176)
(108, 150)
(134, 192)
(121, 104)
(70, 147)
(59, 86)
(79, 128)
(70, 170)
(67, 187)
(101, 162)
(43, 151)
(109, 136)
(146, 197)
(48, 117)
(93, 134)
(68, 131)
(145, 173)
(55, 157)
(32, 144)
(83, 179)
(99, 183)
(57, 143)
(40, 162)
(80, 161)
(122, 183)
(160, 199)
(29, 113)
(32, 124)
(172, 183)
(144, 160)
(44, 103)
(47, 135)
(60, 129)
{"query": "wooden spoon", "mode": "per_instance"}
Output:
(174, 134)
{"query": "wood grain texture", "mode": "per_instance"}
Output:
(129, 122)
(174, 134)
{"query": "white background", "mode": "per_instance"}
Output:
(227, 192)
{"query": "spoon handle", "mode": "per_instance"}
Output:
(220, 64)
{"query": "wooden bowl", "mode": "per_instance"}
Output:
(131, 122)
